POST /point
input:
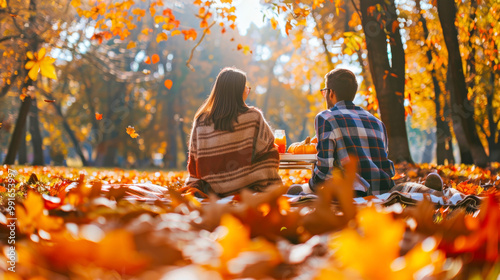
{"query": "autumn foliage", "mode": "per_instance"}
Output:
(93, 223)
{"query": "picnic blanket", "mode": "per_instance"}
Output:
(147, 192)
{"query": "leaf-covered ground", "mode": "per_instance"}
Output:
(72, 225)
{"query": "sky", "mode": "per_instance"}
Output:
(247, 12)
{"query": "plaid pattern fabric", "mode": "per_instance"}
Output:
(348, 129)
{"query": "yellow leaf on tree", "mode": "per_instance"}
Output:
(40, 63)
(168, 84)
(158, 19)
(75, 3)
(176, 32)
(161, 37)
(131, 45)
(274, 23)
(3, 3)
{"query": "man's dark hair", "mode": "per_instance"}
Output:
(343, 82)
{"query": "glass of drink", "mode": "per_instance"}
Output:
(280, 140)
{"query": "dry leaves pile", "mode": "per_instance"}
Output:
(70, 227)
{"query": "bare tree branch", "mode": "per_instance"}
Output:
(9, 37)
(188, 62)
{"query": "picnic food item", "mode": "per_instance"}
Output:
(280, 140)
(304, 147)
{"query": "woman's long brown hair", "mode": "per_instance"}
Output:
(225, 102)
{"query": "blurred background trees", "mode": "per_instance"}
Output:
(123, 63)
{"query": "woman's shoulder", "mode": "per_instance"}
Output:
(254, 112)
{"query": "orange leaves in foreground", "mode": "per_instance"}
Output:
(32, 215)
(98, 116)
(466, 187)
(131, 132)
(114, 250)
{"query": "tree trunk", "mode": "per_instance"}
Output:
(36, 136)
(20, 129)
(461, 109)
(22, 154)
(388, 76)
(71, 134)
(170, 158)
(305, 120)
(444, 148)
(270, 76)
(463, 147)
(19, 133)
(494, 137)
(429, 144)
(184, 140)
(471, 58)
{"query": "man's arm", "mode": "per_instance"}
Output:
(326, 146)
(392, 170)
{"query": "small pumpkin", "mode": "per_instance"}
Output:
(304, 147)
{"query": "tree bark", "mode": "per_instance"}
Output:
(22, 153)
(494, 137)
(463, 147)
(429, 144)
(19, 132)
(36, 136)
(171, 155)
(444, 148)
(461, 109)
(388, 75)
(71, 134)
(471, 58)
(184, 140)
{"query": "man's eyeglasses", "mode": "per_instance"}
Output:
(324, 90)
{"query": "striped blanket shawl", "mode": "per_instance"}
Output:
(231, 161)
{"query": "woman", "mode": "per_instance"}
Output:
(231, 145)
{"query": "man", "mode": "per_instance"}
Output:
(346, 129)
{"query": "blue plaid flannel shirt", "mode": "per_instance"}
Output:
(348, 129)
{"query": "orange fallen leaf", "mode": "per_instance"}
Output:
(168, 84)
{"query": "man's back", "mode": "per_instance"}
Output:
(345, 130)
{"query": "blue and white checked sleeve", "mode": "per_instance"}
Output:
(326, 147)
